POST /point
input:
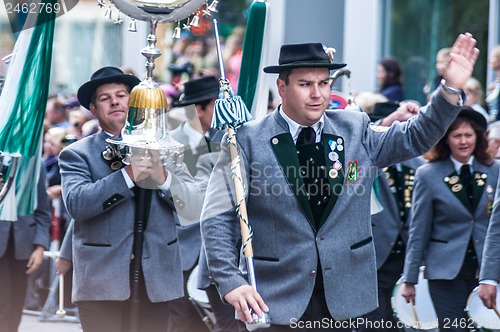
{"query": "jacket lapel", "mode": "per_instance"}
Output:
(286, 154)
(457, 188)
(478, 184)
(335, 163)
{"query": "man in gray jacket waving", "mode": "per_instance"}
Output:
(308, 174)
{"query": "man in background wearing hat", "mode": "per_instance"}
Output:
(100, 198)
(308, 176)
(393, 188)
(201, 143)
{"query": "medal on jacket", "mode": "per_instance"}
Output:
(115, 156)
(489, 203)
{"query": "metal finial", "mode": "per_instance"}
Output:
(213, 6)
(132, 26)
(177, 31)
(118, 20)
(108, 13)
(195, 22)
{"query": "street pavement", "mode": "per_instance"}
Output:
(31, 323)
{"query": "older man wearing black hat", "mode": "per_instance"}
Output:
(100, 198)
(308, 174)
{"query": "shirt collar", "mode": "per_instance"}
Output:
(457, 165)
(193, 135)
(295, 128)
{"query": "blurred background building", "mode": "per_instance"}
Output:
(362, 32)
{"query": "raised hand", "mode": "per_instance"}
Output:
(461, 62)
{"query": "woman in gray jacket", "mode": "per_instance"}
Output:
(452, 202)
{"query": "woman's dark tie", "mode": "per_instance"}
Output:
(466, 177)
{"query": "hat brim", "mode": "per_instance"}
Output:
(190, 100)
(278, 69)
(86, 90)
(475, 116)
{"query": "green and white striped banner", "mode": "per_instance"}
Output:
(22, 110)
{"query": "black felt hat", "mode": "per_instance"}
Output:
(199, 90)
(103, 76)
(311, 55)
(473, 115)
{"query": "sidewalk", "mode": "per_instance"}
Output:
(30, 323)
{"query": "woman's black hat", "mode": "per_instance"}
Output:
(474, 116)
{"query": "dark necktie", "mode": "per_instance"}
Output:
(207, 139)
(466, 177)
(306, 136)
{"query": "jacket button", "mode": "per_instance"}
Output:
(131, 256)
(318, 240)
(313, 273)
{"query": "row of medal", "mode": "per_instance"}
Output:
(408, 185)
(456, 187)
(334, 156)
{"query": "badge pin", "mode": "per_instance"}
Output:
(275, 141)
(340, 147)
(454, 179)
(332, 144)
(116, 165)
(340, 140)
(447, 179)
(333, 173)
(489, 207)
(480, 183)
(333, 156)
(337, 165)
(456, 188)
(489, 189)
(484, 176)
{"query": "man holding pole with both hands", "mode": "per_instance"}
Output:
(308, 174)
